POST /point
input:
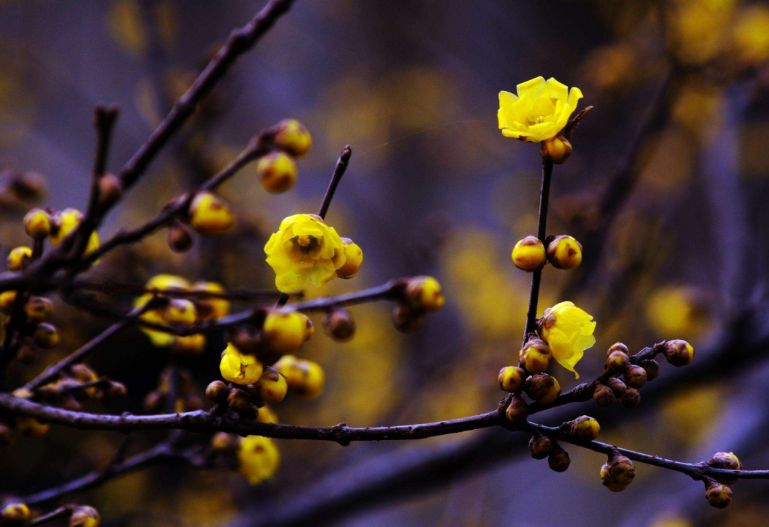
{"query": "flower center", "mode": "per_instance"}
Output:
(307, 244)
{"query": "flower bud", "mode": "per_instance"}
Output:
(529, 254)
(15, 514)
(37, 223)
(272, 386)
(618, 346)
(223, 442)
(558, 149)
(617, 361)
(678, 352)
(617, 473)
(584, 428)
(543, 388)
(209, 214)
(277, 172)
(564, 252)
(115, 390)
(179, 237)
(535, 355)
(293, 137)
(726, 460)
(46, 336)
(7, 299)
(540, 446)
(652, 368)
(517, 410)
(406, 319)
(303, 376)
(635, 376)
(511, 379)
(239, 401)
(603, 395)
(286, 331)
(353, 259)
(217, 392)
(631, 398)
(18, 258)
(180, 312)
(110, 189)
(83, 373)
(38, 308)
(558, 460)
(424, 293)
(85, 516)
(617, 386)
(339, 324)
(717, 494)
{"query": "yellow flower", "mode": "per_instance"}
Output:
(67, 221)
(238, 367)
(305, 251)
(258, 458)
(539, 111)
(568, 330)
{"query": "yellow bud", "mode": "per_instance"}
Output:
(543, 388)
(293, 137)
(617, 361)
(679, 352)
(258, 458)
(529, 254)
(38, 308)
(46, 335)
(7, 299)
(353, 259)
(211, 308)
(564, 252)
(238, 367)
(223, 442)
(180, 311)
(217, 392)
(424, 293)
(190, 344)
(209, 214)
(266, 415)
(558, 149)
(85, 516)
(37, 223)
(303, 376)
(511, 379)
(286, 331)
(718, 494)
(535, 356)
(18, 258)
(635, 376)
(272, 387)
(277, 172)
(584, 428)
(603, 395)
(15, 514)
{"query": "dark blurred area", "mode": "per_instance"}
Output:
(666, 188)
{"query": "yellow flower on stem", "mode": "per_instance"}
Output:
(568, 330)
(258, 458)
(305, 251)
(239, 367)
(539, 111)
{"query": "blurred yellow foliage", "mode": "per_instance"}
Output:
(751, 34)
(691, 416)
(696, 28)
(675, 312)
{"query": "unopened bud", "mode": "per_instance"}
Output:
(584, 428)
(725, 460)
(635, 376)
(85, 516)
(540, 446)
(535, 355)
(517, 411)
(217, 392)
(558, 149)
(558, 460)
(110, 189)
(564, 252)
(511, 379)
(339, 324)
(617, 473)
(179, 237)
(543, 388)
(631, 398)
(529, 254)
(717, 494)
(679, 352)
(617, 361)
(603, 395)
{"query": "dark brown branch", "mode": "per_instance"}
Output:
(339, 170)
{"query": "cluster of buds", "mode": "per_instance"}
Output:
(717, 492)
(76, 386)
(421, 295)
(531, 254)
(542, 447)
(202, 302)
(15, 515)
(277, 170)
(185, 391)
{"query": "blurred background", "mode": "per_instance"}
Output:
(666, 188)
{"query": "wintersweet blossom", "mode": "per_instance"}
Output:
(539, 111)
(305, 251)
(258, 458)
(568, 330)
